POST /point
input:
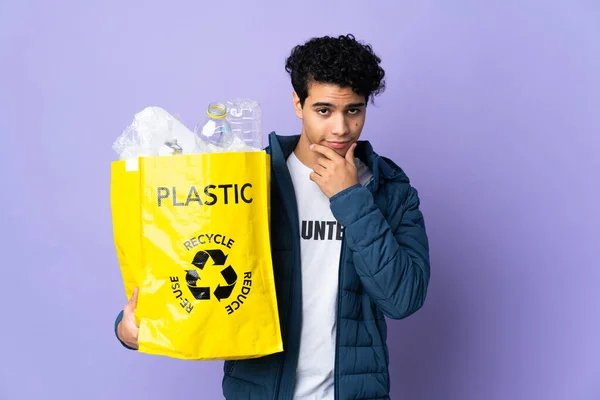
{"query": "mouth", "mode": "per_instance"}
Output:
(337, 145)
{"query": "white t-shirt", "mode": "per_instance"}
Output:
(320, 247)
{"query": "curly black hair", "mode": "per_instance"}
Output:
(342, 61)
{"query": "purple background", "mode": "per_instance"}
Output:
(492, 108)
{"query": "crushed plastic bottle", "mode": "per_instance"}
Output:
(214, 129)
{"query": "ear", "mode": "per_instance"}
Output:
(297, 105)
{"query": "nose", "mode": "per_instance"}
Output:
(340, 125)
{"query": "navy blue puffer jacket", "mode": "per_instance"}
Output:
(384, 272)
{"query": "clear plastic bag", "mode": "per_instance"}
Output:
(154, 132)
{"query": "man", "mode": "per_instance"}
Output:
(348, 244)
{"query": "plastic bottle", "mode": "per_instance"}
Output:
(245, 117)
(214, 128)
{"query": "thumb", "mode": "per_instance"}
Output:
(134, 298)
(350, 155)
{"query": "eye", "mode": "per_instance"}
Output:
(322, 111)
(354, 111)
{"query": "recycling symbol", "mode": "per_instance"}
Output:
(218, 258)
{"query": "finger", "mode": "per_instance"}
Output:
(325, 152)
(315, 177)
(350, 155)
(325, 162)
(320, 170)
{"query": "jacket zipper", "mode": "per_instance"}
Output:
(336, 375)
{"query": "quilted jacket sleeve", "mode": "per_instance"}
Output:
(391, 256)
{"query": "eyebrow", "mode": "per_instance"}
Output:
(330, 105)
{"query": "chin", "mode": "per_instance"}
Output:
(341, 152)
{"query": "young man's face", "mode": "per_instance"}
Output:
(332, 116)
